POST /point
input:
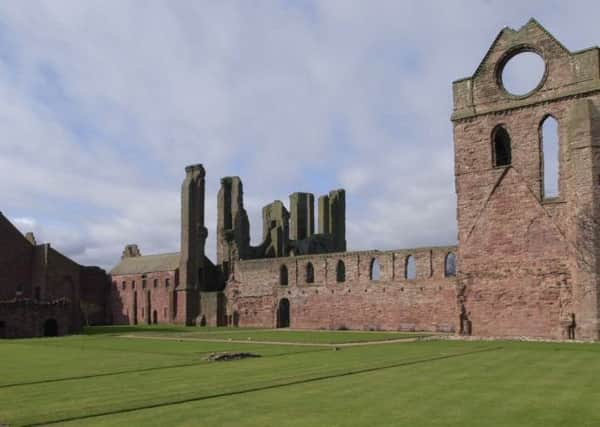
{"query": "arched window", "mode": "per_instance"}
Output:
(450, 265)
(310, 273)
(501, 144)
(550, 153)
(340, 272)
(374, 270)
(283, 275)
(410, 272)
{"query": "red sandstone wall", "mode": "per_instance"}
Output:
(15, 261)
(62, 281)
(94, 291)
(23, 319)
(520, 262)
(148, 300)
(427, 303)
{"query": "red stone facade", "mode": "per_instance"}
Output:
(144, 298)
(528, 264)
(355, 299)
(41, 289)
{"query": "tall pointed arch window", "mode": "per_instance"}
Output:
(340, 272)
(501, 147)
(375, 270)
(410, 268)
(283, 275)
(309, 274)
(450, 265)
(550, 156)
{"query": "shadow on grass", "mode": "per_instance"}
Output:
(124, 329)
(200, 361)
(267, 387)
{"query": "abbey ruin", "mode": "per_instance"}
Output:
(527, 262)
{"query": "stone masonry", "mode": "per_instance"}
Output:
(527, 261)
(528, 264)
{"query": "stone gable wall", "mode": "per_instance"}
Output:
(527, 263)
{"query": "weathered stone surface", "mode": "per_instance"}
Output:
(324, 214)
(528, 264)
(227, 357)
(302, 215)
(391, 303)
(39, 284)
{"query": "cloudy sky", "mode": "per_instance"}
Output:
(105, 102)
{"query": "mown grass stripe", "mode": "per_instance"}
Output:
(267, 387)
(133, 371)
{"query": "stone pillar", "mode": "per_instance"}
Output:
(193, 239)
(233, 227)
(302, 216)
(324, 214)
(583, 193)
(337, 218)
(148, 304)
(275, 229)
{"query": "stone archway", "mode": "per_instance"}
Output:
(283, 314)
(155, 317)
(50, 328)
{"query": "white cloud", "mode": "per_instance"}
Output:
(105, 103)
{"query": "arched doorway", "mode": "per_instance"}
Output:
(50, 328)
(283, 314)
(154, 317)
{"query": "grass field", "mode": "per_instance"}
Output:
(158, 376)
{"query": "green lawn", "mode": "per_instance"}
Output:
(105, 379)
(269, 335)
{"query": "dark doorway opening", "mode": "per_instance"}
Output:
(2, 329)
(283, 314)
(135, 308)
(50, 328)
(154, 317)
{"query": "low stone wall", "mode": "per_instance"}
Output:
(393, 302)
(27, 318)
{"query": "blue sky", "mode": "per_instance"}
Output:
(105, 102)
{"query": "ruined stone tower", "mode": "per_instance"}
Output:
(528, 260)
(337, 218)
(302, 208)
(233, 227)
(285, 232)
(192, 272)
